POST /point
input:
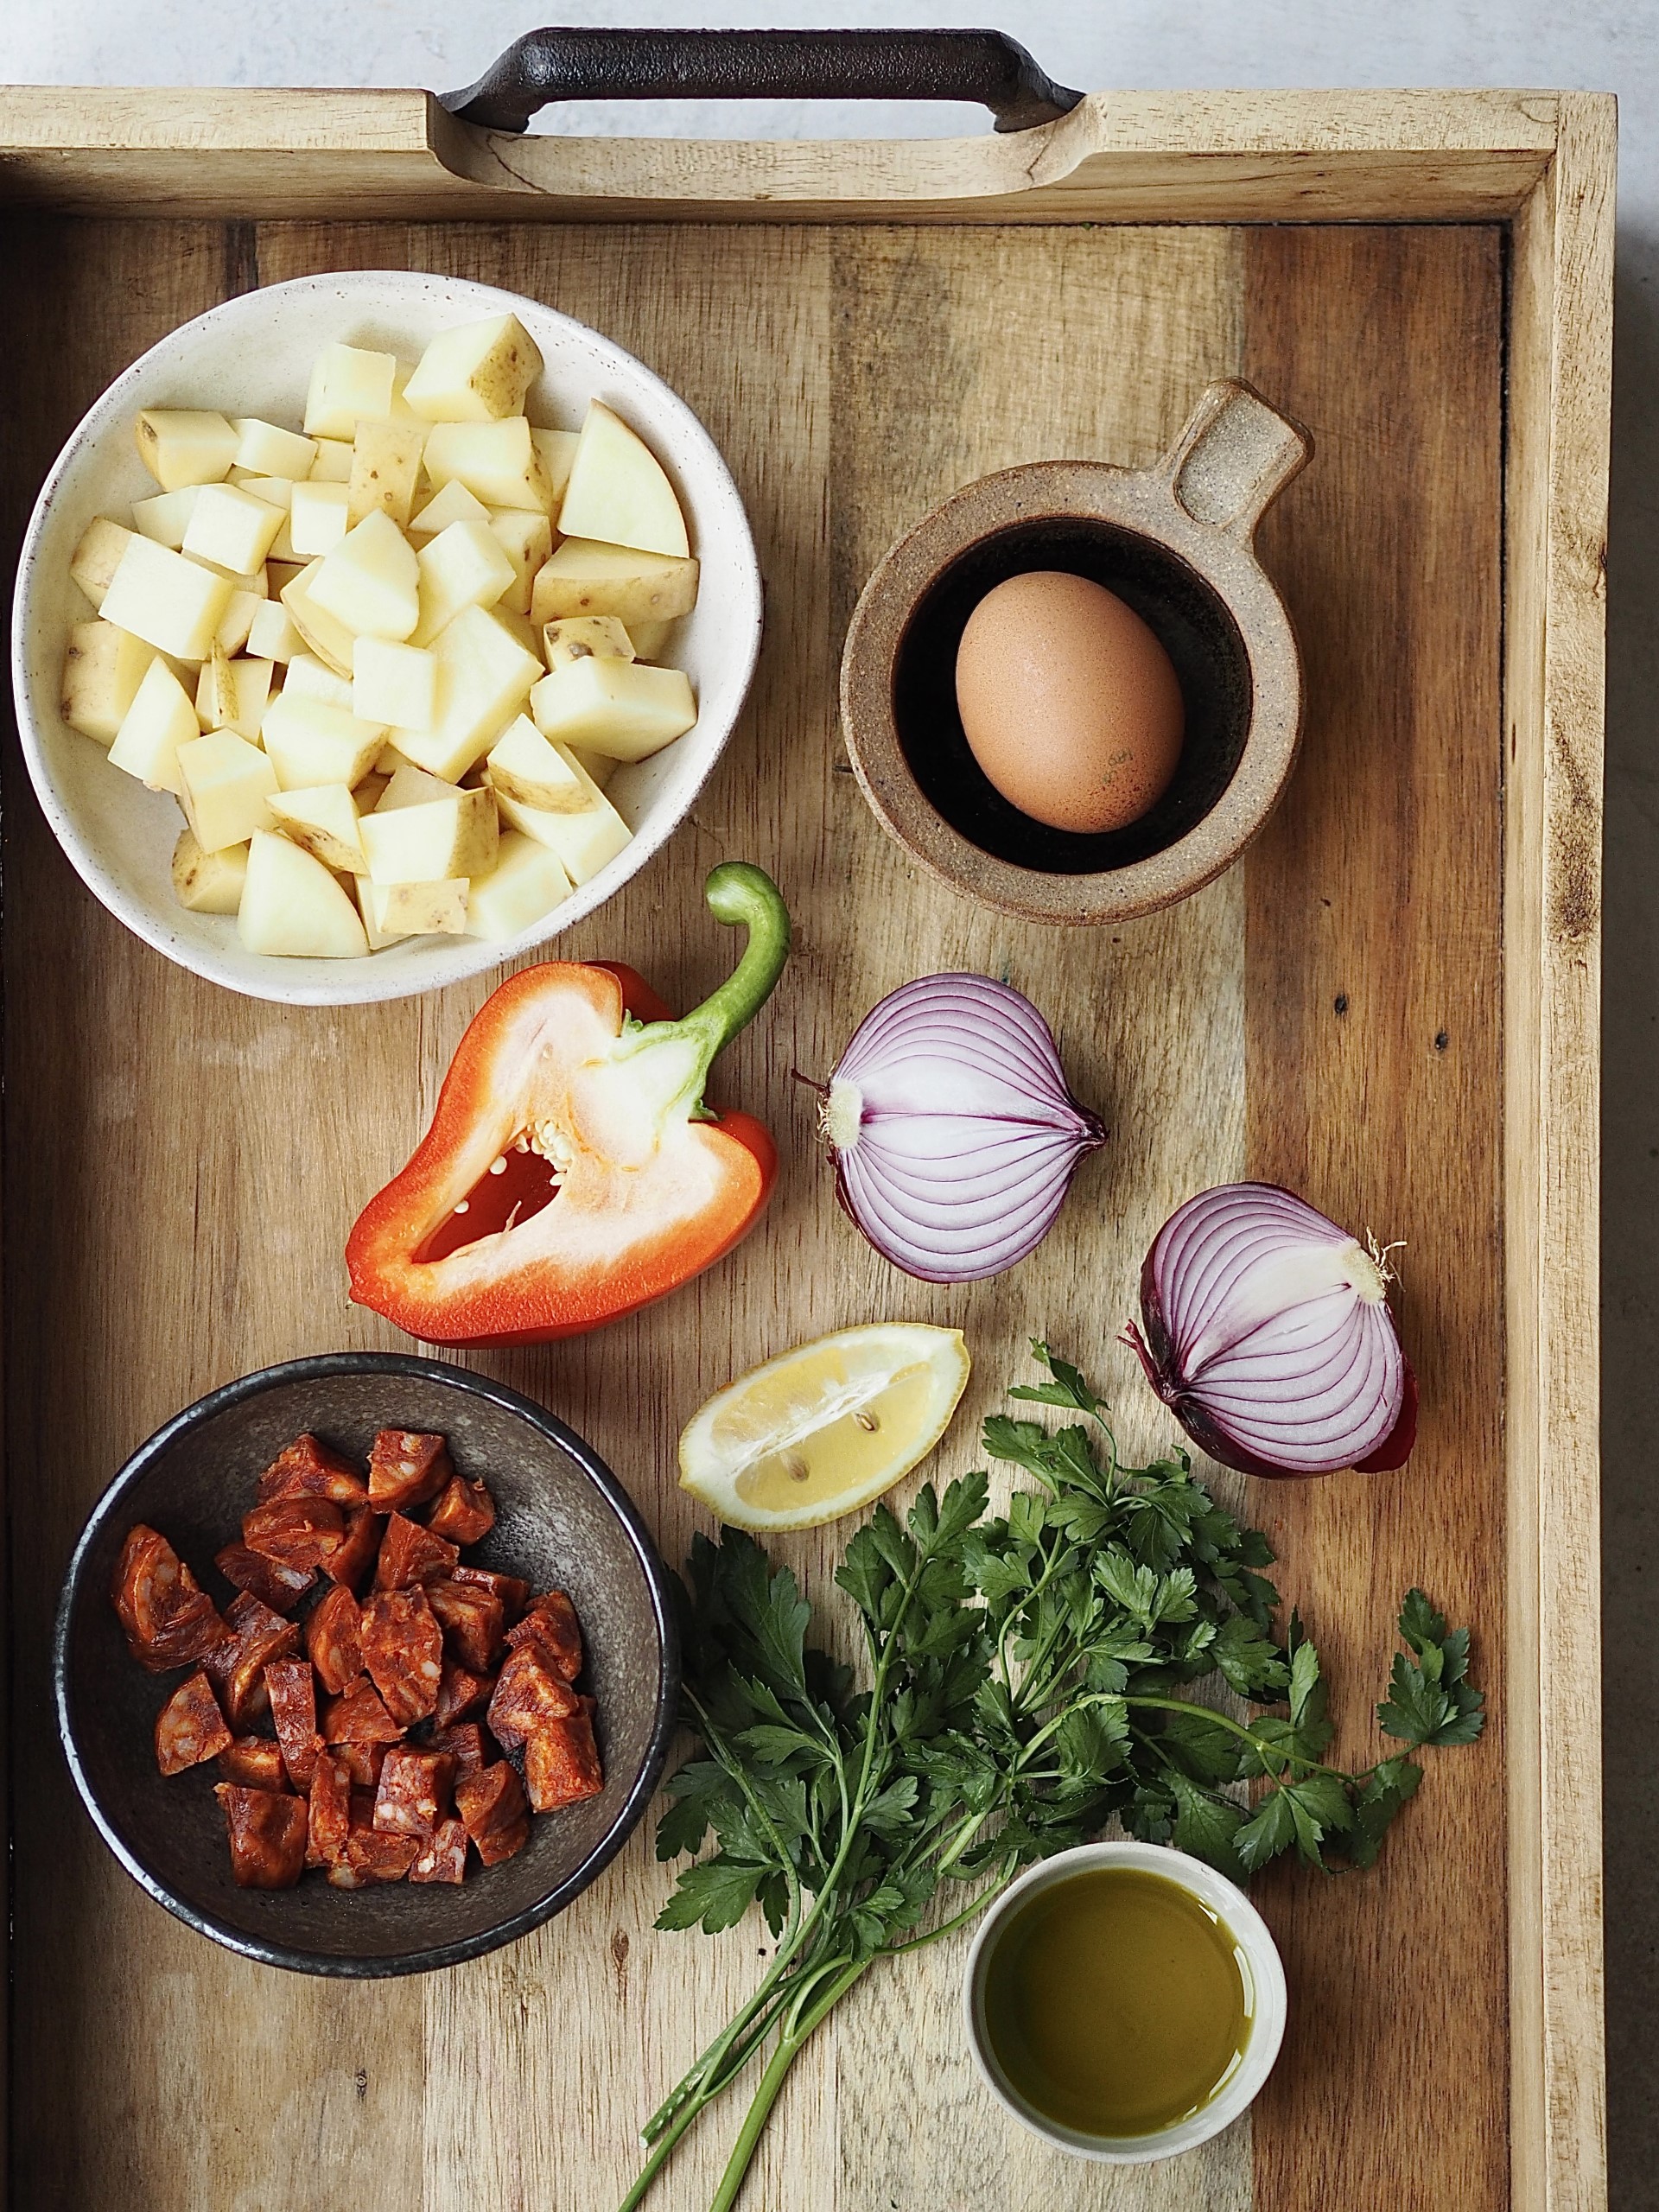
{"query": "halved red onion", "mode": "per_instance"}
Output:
(951, 1129)
(1268, 1336)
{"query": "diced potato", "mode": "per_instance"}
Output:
(485, 676)
(526, 538)
(347, 382)
(408, 785)
(333, 462)
(184, 445)
(558, 449)
(475, 373)
(319, 518)
(172, 603)
(309, 678)
(323, 633)
(165, 518)
(208, 883)
(454, 504)
(370, 899)
(290, 904)
(226, 782)
(271, 634)
(274, 491)
(527, 767)
(160, 719)
(324, 821)
(279, 574)
(103, 668)
(394, 684)
(618, 490)
(252, 579)
(584, 842)
(581, 577)
(462, 566)
(371, 582)
(455, 835)
(649, 638)
(311, 743)
(386, 468)
(230, 529)
(236, 625)
(389, 760)
(527, 881)
(498, 462)
(421, 909)
(577, 637)
(233, 694)
(595, 764)
(368, 792)
(97, 556)
(267, 450)
(625, 708)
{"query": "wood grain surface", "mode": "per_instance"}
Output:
(182, 1167)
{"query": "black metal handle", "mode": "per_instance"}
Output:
(863, 65)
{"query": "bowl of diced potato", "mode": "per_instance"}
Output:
(372, 629)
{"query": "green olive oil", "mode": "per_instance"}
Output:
(1114, 2003)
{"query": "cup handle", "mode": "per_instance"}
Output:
(1234, 455)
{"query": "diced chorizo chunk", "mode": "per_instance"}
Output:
(528, 1693)
(333, 1641)
(267, 1836)
(406, 1468)
(272, 1583)
(550, 1623)
(512, 1589)
(295, 1531)
(292, 1688)
(331, 1811)
(371, 1854)
(443, 1855)
(363, 1761)
(459, 1692)
(491, 1804)
(170, 1621)
(561, 1765)
(403, 1650)
(307, 1469)
(414, 1791)
(471, 1622)
(255, 1762)
(359, 1716)
(465, 1512)
(190, 1728)
(465, 1744)
(350, 1565)
(410, 1553)
(236, 1667)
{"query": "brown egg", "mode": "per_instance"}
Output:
(1069, 704)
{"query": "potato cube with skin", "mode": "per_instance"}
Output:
(625, 708)
(274, 491)
(226, 782)
(160, 719)
(528, 767)
(583, 843)
(371, 582)
(595, 764)
(333, 462)
(455, 836)
(422, 909)
(618, 492)
(208, 883)
(581, 577)
(410, 786)
(184, 445)
(454, 504)
(233, 694)
(172, 603)
(485, 676)
(324, 820)
(475, 372)
(230, 529)
(385, 469)
(463, 566)
(97, 557)
(292, 905)
(347, 382)
(394, 684)
(271, 635)
(319, 518)
(370, 899)
(310, 742)
(649, 640)
(581, 637)
(310, 678)
(166, 517)
(526, 538)
(324, 634)
(268, 450)
(236, 625)
(103, 668)
(498, 462)
(558, 449)
(527, 881)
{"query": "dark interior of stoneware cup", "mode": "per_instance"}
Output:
(1191, 622)
(556, 1526)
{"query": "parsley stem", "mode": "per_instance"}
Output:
(969, 1911)
(790, 2046)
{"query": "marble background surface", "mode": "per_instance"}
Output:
(1603, 45)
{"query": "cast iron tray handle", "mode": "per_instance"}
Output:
(860, 65)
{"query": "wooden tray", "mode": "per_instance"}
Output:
(1392, 1005)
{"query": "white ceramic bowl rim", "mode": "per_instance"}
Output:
(1237, 1914)
(376, 297)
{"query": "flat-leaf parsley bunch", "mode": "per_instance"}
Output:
(1025, 1680)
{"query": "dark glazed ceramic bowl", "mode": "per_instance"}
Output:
(563, 1520)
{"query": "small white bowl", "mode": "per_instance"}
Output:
(1260, 1966)
(252, 356)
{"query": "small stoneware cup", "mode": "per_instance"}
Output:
(1176, 542)
(1260, 1969)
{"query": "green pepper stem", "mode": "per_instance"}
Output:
(737, 893)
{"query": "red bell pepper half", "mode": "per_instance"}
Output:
(572, 1172)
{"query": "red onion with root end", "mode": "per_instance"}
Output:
(1268, 1336)
(951, 1129)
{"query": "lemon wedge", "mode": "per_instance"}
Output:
(822, 1429)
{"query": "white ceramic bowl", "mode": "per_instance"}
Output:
(252, 356)
(1260, 1966)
